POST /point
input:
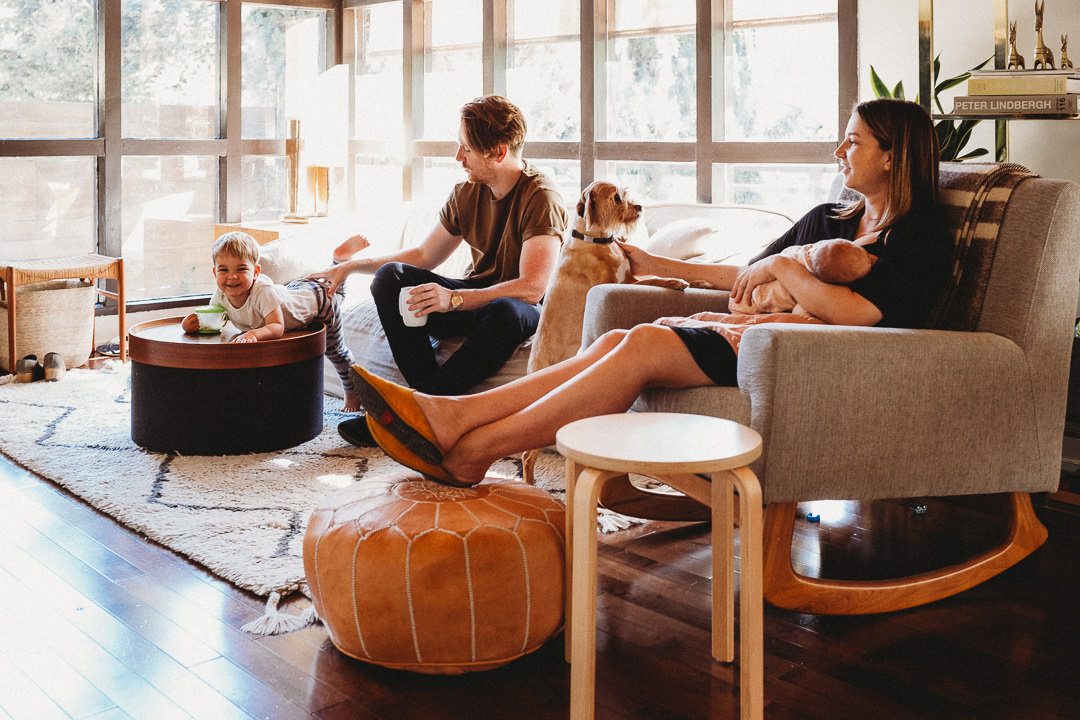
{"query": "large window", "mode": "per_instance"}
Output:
(227, 107)
(650, 71)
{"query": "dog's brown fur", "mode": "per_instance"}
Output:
(603, 211)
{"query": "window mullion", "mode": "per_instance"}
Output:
(110, 195)
(705, 83)
(230, 123)
(494, 46)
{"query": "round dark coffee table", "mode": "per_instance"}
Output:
(205, 395)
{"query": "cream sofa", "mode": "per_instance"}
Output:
(705, 233)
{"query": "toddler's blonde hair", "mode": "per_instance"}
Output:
(237, 244)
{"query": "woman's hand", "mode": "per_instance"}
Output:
(641, 261)
(751, 276)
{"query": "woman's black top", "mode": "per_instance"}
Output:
(914, 259)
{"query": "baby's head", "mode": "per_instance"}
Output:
(839, 262)
(236, 244)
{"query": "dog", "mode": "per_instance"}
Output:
(589, 256)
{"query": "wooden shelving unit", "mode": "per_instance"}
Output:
(1001, 61)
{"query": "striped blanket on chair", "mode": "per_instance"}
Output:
(974, 196)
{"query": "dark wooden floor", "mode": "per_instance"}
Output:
(98, 622)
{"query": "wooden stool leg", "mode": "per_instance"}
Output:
(572, 472)
(583, 603)
(723, 567)
(751, 601)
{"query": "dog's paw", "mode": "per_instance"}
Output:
(669, 283)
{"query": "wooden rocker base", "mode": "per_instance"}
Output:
(622, 496)
(787, 589)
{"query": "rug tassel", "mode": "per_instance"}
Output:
(609, 521)
(311, 616)
(275, 622)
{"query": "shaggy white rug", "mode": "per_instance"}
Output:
(241, 516)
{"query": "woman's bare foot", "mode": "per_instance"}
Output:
(350, 247)
(466, 465)
(443, 418)
(352, 403)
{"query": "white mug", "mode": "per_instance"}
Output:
(410, 318)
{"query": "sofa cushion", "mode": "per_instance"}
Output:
(710, 233)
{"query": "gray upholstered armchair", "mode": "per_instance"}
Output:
(977, 406)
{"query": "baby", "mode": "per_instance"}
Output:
(263, 310)
(837, 262)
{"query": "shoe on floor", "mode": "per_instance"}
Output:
(355, 431)
(53, 366)
(29, 369)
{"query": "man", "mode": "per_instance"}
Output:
(513, 218)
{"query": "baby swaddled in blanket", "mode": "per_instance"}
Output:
(837, 262)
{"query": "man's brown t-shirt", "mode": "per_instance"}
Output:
(496, 229)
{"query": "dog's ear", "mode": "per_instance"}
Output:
(581, 207)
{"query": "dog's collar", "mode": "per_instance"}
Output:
(587, 238)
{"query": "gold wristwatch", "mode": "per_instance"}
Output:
(456, 300)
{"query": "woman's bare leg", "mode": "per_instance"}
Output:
(451, 417)
(647, 356)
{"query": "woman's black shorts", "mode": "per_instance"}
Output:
(713, 354)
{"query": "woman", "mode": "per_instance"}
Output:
(889, 156)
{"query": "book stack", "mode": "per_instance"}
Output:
(1021, 93)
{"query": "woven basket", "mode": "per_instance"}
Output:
(54, 316)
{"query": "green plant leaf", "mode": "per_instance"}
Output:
(880, 89)
(950, 83)
(978, 152)
(951, 138)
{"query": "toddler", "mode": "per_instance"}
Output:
(263, 310)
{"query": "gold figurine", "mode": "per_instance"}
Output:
(1065, 61)
(1044, 56)
(1016, 60)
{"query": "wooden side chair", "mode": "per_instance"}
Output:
(90, 267)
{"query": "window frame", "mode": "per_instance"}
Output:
(591, 150)
(109, 147)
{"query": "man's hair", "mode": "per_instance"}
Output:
(906, 129)
(490, 121)
(237, 244)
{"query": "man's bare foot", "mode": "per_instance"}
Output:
(350, 247)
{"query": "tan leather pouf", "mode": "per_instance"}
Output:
(414, 575)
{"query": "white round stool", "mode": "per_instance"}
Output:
(677, 449)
